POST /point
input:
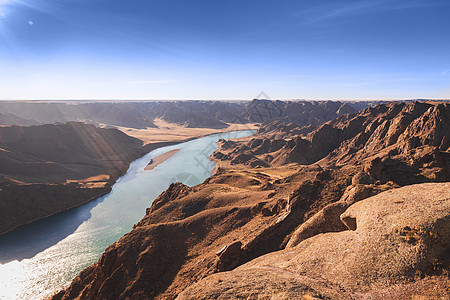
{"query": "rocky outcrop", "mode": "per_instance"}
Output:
(326, 220)
(414, 129)
(401, 236)
(228, 257)
(302, 113)
(174, 191)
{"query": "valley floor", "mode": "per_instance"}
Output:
(171, 132)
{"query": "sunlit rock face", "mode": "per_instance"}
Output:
(401, 236)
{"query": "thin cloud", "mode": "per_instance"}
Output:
(326, 12)
(444, 73)
(329, 11)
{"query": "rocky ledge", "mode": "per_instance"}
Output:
(396, 247)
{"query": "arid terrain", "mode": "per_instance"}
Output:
(171, 132)
(353, 208)
(75, 150)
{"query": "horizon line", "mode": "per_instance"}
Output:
(222, 100)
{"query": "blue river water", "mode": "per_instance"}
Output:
(41, 258)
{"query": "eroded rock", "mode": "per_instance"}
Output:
(402, 235)
(326, 220)
(228, 257)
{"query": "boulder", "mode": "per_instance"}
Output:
(228, 257)
(326, 220)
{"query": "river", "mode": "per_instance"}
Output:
(41, 258)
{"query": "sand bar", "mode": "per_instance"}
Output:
(160, 159)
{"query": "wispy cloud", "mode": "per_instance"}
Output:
(445, 72)
(328, 11)
(335, 10)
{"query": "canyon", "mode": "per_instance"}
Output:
(356, 207)
(58, 155)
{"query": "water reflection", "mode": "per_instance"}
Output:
(29, 240)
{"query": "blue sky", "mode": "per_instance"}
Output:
(211, 49)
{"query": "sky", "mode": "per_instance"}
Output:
(224, 49)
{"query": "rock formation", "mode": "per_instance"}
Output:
(397, 129)
(401, 236)
(302, 113)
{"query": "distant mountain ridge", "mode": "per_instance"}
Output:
(194, 114)
(11, 119)
(299, 112)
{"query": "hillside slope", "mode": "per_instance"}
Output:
(243, 212)
(11, 119)
(397, 251)
(49, 168)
